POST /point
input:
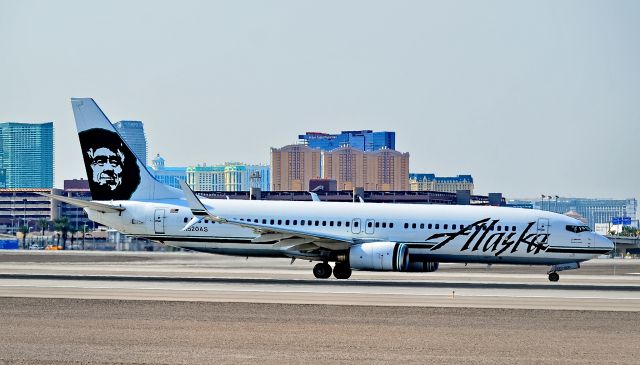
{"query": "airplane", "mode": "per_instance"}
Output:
(353, 236)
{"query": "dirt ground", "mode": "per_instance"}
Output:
(69, 331)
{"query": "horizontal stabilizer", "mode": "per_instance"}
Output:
(100, 207)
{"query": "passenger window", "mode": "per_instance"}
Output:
(421, 225)
(356, 224)
(186, 219)
(206, 221)
(317, 223)
(295, 222)
(286, 222)
(302, 222)
(255, 221)
(324, 223)
(384, 224)
(461, 226)
(390, 225)
(499, 228)
(453, 226)
(330, 223)
(271, 222)
(513, 228)
(264, 221)
(377, 224)
(369, 224)
(279, 222)
(406, 225)
(446, 226)
(437, 225)
(339, 223)
(413, 226)
(309, 223)
(430, 226)
(347, 224)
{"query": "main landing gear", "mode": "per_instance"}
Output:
(323, 270)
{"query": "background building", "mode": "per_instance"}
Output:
(594, 211)
(293, 166)
(24, 207)
(167, 175)
(231, 176)
(380, 170)
(364, 140)
(446, 184)
(26, 155)
(132, 131)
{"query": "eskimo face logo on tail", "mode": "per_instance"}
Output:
(112, 168)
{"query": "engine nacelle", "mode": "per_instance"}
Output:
(420, 266)
(379, 256)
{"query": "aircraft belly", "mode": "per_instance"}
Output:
(228, 247)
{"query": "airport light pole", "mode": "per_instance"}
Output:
(24, 218)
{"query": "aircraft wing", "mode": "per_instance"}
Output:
(284, 235)
(100, 207)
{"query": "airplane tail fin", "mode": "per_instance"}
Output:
(113, 170)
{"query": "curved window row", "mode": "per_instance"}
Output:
(376, 224)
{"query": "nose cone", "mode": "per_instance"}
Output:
(604, 242)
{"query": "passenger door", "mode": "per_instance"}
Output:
(369, 227)
(355, 226)
(158, 221)
(543, 226)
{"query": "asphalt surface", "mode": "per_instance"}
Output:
(178, 308)
(71, 331)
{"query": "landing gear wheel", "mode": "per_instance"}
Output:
(322, 270)
(341, 271)
(554, 276)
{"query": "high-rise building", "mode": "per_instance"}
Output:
(445, 184)
(132, 131)
(26, 155)
(168, 175)
(364, 140)
(380, 170)
(293, 166)
(231, 176)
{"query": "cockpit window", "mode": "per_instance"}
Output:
(578, 229)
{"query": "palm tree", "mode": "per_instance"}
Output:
(62, 225)
(24, 230)
(72, 232)
(43, 224)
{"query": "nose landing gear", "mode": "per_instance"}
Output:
(553, 272)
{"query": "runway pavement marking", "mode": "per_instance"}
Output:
(316, 292)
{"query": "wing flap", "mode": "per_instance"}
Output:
(200, 210)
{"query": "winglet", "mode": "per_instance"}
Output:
(314, 196)
(198, 209)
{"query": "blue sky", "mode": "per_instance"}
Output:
(531, 98)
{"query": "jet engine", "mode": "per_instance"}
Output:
(379, 256)
(420, 266)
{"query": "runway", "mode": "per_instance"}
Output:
(210, 278)
(178, 308)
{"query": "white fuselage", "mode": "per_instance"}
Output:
(439, 233)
